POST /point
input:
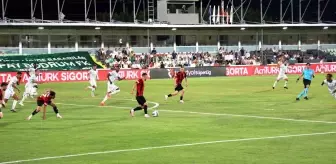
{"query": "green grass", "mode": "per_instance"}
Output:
(88, 128)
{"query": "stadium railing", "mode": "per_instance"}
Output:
(200, 48)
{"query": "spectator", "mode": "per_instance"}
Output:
(174, 54)
(194, 59)
(162, 65)
(154, 51)
(124, 51)
(242, 52)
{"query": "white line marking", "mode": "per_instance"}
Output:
(238, 115)
(167, 146)
(156, 105)
(250, 116)
(109, 106)
(83, 105)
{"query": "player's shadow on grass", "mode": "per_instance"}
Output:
(302, 99)
(4, 124)
(70, 127)
(262, 91)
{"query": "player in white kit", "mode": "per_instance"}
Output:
(111, 87)
(93, 76)
(30, 88)
(33, 72)
(322, 65)
(10, 91)
(331, 83)
(282, 74)
(31, 84)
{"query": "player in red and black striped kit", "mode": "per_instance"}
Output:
(2, 93)
(140, 87)
(45, 100)
(179, 77)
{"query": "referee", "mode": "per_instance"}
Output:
(308, 75)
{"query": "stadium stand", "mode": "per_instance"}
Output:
(126, 58)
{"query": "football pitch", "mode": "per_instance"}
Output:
(231, 120)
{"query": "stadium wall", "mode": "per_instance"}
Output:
(274, 69)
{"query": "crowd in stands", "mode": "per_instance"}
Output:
(331, 51)
(126, 58)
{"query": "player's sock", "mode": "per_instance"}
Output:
(90, 87)
(286, 83)
(170, 95)
(115, 91)
(34, 112)
(23, 98)
(105, 98)
(181, 97)
(137, 108)
(57, 114)
(145, 109)
(275, 83)
(14, 104)
(55, 110)
(93, 91)
(301, 94)
(305, 92)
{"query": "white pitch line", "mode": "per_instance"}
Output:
(109, 106)
(212, 114)
(167, 146)
(250, 116)
(83, 105)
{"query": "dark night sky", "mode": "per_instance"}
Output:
(74, 9)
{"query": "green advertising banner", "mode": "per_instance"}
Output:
(57, 61)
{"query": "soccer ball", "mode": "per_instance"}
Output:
(155, 113)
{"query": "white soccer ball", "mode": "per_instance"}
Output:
(155, 113)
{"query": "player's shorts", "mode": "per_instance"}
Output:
(282, 76)
(112, 87)
(9, 93)
(41, 102)
(141, 100)
(28, 88)
(179, 88)
(306, 82)
(33, 90)
(93, 83)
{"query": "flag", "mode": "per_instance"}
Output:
(223, 12)
(210, 15)
(214, 15)
(218, 16)
(231, 15)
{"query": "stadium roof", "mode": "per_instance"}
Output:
(133, 25)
